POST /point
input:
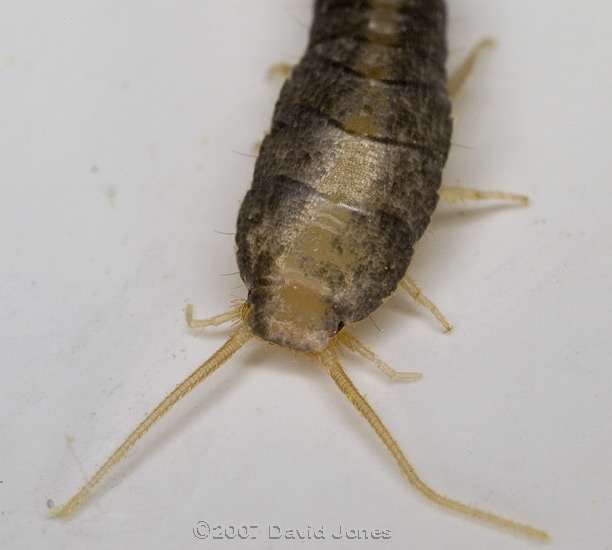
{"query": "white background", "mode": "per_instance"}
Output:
(124, 127)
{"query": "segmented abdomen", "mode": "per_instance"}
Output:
(347, 179)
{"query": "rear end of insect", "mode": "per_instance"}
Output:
(344, 186)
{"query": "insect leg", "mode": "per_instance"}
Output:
(346, 386)
(352, 343)
(279, 70)
(454, 194)
(411, 288)
(215, 321)
(238, 338)
(457, 79)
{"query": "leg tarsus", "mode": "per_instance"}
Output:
(215, 321)
(352, 343)
(411, 288)
(454, 194)
(456, 80)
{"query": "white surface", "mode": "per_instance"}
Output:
(119, 127)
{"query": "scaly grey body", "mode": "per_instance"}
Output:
(348, 177)
(344, 186)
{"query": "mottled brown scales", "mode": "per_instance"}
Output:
(348, 177)
(344, 185)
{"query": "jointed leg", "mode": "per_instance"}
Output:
(454, 194)
(456, 80)
(282, 70)
(349, 341)
(211, 321)
(411, 288)
(454, 84)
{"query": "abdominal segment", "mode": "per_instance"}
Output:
(347, 179)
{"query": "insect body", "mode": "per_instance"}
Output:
(344, 185)
(347, 179)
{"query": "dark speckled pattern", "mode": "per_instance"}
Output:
(359, 136)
